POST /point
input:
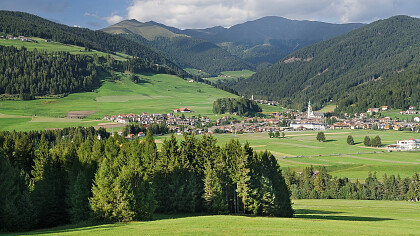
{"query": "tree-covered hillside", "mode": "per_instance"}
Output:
(19, 23)
(265, 41)
(186, 51)
(378, 64)
(38, 73)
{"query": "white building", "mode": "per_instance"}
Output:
(313, 126)
(314, 114)
(408, 144)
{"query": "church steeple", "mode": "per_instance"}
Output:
(310, 112)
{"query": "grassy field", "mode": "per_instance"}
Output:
(40, 44)
(232, 75)
(300, 149)
(156, 94)
(313, 217)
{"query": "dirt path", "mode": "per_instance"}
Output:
(381, 160)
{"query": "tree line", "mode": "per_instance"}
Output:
(20, 23)
(64, 176)
(312, 184)
(37, 73)
(242, 106)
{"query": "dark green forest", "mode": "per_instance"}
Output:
(318, 184)
(375, 65)
(36, 73)
(189, 52)
(19, 23)
(242, 106)
(50, 178)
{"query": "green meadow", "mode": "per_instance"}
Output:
(313, 217)
(301, 149)
(157, 93)
(232, 75)
(41, 44)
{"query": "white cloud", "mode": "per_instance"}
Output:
(113, 19)
(204, 13)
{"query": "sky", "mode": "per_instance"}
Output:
(97, 14)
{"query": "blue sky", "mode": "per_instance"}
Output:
(85, 13)
(97, 14)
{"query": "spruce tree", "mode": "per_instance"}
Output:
(350, 140)
(320, 137)
(367, 141)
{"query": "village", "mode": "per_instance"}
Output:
(288, 120)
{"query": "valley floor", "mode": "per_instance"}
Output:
(313, 217)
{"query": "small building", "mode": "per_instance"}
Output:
(407, 144)
(384, 108)
(303, 126)
(417, 119)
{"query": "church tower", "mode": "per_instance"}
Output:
(310, 112)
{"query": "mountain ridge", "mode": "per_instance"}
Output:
(355, 70)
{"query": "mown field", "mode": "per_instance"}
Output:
(232, 75)
(158, 93)
(313, 217)
(40, 44)
(300, 149)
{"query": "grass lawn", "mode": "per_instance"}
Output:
(300, 149)
(313, 217)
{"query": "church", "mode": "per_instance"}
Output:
(314, 114)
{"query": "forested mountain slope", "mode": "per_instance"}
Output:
(264, 41)
(186, 51)
(378, 64)
(19, 23)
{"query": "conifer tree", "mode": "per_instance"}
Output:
(320, 137)
(367, 141)
(350, 140)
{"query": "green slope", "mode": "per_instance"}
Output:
(20, 23)
(375, 65)
(313, 217)
(186, 51)
(156, 94)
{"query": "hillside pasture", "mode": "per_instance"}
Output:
(41, 44)
(158, 93)
(313, 217)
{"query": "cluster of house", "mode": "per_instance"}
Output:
(23, 38)
(267, 102)
(411, 111)
(174, 123)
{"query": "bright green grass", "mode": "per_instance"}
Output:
(395, 114)
(328, 108)
(233, 75)
(159, 93)
(196, 72)
(313, 217)
(300, 149)
(40, 44)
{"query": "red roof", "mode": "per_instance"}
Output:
(411, 139)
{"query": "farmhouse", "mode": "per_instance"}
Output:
(182, 110)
